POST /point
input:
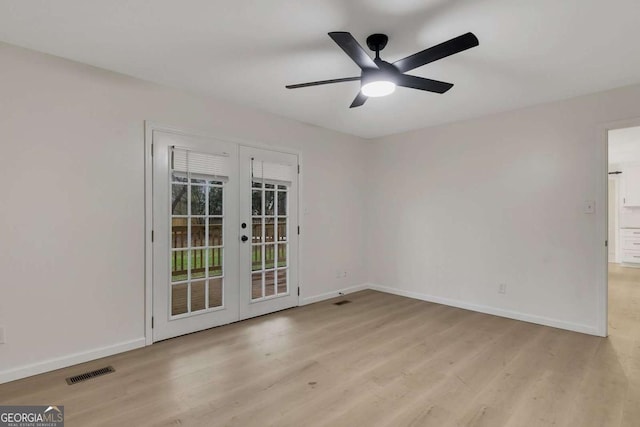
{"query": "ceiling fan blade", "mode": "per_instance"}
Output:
(322, 82)
(442, 50)
(421, 83)
(352, 48)
(359, 100)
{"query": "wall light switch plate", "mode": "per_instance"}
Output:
(2, 335)
(589, 206)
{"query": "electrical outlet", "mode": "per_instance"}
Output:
(338, 274)
(502, 289)
(2, 335)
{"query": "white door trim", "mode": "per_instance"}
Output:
(149, 127)
(148, 229)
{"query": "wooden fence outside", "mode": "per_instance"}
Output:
(200, 259)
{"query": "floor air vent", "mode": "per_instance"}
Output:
(88, 375)
(344, 301)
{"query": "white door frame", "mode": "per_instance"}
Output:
(149, 127)
(602, 228)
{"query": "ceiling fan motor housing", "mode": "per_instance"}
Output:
(385, 71)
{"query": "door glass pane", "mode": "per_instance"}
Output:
(198, 295)
(179, 229)
(256, 230)
(269, 283)
(179, 266)
(198, 257)
(282, 229)
(179, 299)
(198, 200)
(282, 281)
(215, 262)
(256, 202)
(282, 255)
(215, 231)
(282, 203)
(179, 199)
(256, 285)
(198, 236)
(215, 293)
(269, 229)
(269, 256)
(269, 202)
(178, 177)
(215, 200)
(256, 257)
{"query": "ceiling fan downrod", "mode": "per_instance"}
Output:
(377, 42)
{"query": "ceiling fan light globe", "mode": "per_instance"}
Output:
(378, 88)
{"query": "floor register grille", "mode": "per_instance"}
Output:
(88, 375)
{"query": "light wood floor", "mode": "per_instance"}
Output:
(381, 360)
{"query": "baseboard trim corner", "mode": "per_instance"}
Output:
(70, 360)
(539, 320)
(334, 294)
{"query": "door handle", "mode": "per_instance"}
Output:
(244, 238)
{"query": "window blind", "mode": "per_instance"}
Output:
(193, 162)
(272, 171)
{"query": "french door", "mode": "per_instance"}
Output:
(269, 232)
(223, 219)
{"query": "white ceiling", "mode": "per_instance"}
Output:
(245, 51)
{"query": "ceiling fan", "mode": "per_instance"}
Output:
(380, 78)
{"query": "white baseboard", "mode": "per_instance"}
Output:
(70, 360)
(334, 294)
(555, 323)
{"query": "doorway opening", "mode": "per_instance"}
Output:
(623, 231)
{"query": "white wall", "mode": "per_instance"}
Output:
(459, 209)
(72, 212)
